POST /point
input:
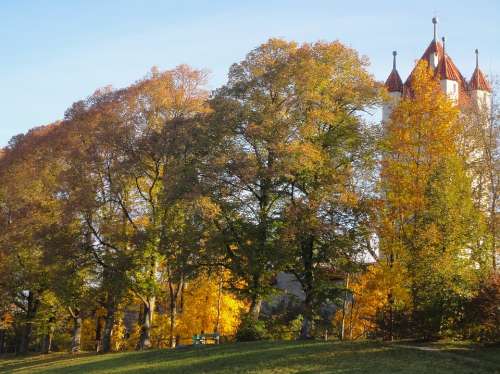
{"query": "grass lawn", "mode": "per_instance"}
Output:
(273, 357)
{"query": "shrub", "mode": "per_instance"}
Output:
(251, 330)
(283, 318)
(482, 321)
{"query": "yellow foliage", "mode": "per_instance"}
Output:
(200, 309)
(118, 336)
(88, 334)
(370, 291)
(133, 338)
(422, 132)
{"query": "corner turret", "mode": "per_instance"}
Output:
(480, 89)
(394, 86)
(449, 76)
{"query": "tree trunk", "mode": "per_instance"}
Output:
(219, 302)
(351, 313)
(174, 294)
(27, 329)
(98, 334)
(109, 323)
(344, 308)
(173, 316)
(147, 321)
(47, 337)
(307, 248)
(307, 322)
(255, 307)
(45, 347)
(76, 334)
(25, 338)
(149, 309)
(390, 298)
(2, 341)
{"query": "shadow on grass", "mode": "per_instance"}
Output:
(291, 357)
(10, 363)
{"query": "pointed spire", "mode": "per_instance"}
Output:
(478, 80)
(394, 82)
(446, 68)
(435, 21)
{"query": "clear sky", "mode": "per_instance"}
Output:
(55, 52)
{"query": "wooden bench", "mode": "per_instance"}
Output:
(204, 338)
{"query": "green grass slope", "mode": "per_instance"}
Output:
(272, 357)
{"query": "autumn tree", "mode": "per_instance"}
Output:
(479, 145)
(141, 196)
(293, 133)
(326, 220)
(29, 208)
(167, 112)
(71, 273)
(208, 306)
(429, 225)
(90, 186)
(253, 122)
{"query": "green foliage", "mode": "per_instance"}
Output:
(430, 226)
(251, 329)
(283, 318)
(293, 139)
(125, 209)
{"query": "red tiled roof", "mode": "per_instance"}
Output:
(447, 69)
(479, 82)
(434, 47)
(394, 82)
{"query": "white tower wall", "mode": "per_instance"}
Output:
(433, 60)
(482, 99)
(450, 89)
(389, 106)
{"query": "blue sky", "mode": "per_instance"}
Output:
(55, 52)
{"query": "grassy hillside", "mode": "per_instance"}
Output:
(272, 357)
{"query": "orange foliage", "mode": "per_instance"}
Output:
(370, 292)
(200, 308)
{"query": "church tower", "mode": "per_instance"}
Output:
(449, 76)
(462, 93)
(394, 86)
(480, 89)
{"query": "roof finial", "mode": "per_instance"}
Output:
(394, 54)
(435, 21)
(477, 58)
(444, 46)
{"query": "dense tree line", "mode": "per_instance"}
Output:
(141, 197)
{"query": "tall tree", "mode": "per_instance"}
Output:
(480, 147)
(90, 186)
(253, 116)
(292, 134)
(326, 221)
(138, 171)
(430, 226)
(29, 170)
